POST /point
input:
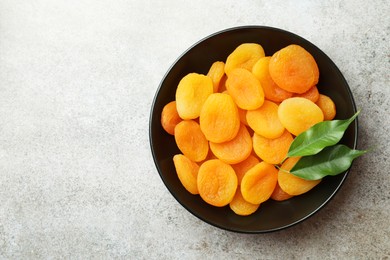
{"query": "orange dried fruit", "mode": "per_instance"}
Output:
(265, 120)
(312, 94)
(245, 89)
(219, 119)
(170, 118)
(217, 182)
(259, 182)
(244, 56)
(216, 72)
(271, 91)
(191, 141)
(191, 93)
(327, 106)
(240, 206)
(279, 195)
(242, 115)
(187, 171)
(235, 150)
(272, 151)
(242, 167)
(294, 69)
(298, 114)
(292, 184)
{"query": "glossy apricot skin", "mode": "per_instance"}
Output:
(259, 182)
(191, 141)
(328, 107)
(272, 151)
(244, 56)
(191, 93)
(187, 172)
(235, 150)
(271, 90)
(265, 120)
(298, 114)
(245, 89)
(294, 69)
(240, 206)
(280, 195)
(217, 182)
(216, 72)
(292, 184)
(312, 94)
(170, 118)
(219, 119)
(242, 167)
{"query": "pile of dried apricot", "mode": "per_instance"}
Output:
(234, 126)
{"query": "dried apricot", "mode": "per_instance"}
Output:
(170, 118)
(272, 150)
(191, 93)
(294, 69)
(240, 206)
(187, 171)
(242, 167)
(312, 94)
(259, 182)
(235, 150)
(216, 72)
(271, 91)
(219, 119)
(265, 120)
(217, 182)
(279, 195)
(298, 114)
(327, 106)
(191, 141)
(244, 56)
(245, 89)
(292, 184)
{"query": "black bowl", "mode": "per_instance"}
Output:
(272, 215)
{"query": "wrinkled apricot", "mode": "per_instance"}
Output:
(187, 171)
(222, 84)
(292, 184)
(216, 72)
(271, 91)
(219, 119)
(240, 206)
(265, 120)
(217, 182)
(327, 106)
(259, 182)
(242, 167)
(298, 114)
(235, 150)
(170, 118)
(191, 93)
(294, 69)
(244, 56)
(245, 89)
(279, 195)
(272, 151)
(242, 115)
(191, 141)
(312, 94)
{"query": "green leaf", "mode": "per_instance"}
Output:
(330, 161)
(319, 136)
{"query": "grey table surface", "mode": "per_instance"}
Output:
(77, 81)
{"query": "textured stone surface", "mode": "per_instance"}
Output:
(77, 80)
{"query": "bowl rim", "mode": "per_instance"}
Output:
(237, 28)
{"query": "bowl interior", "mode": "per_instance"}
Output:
(271, 215)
